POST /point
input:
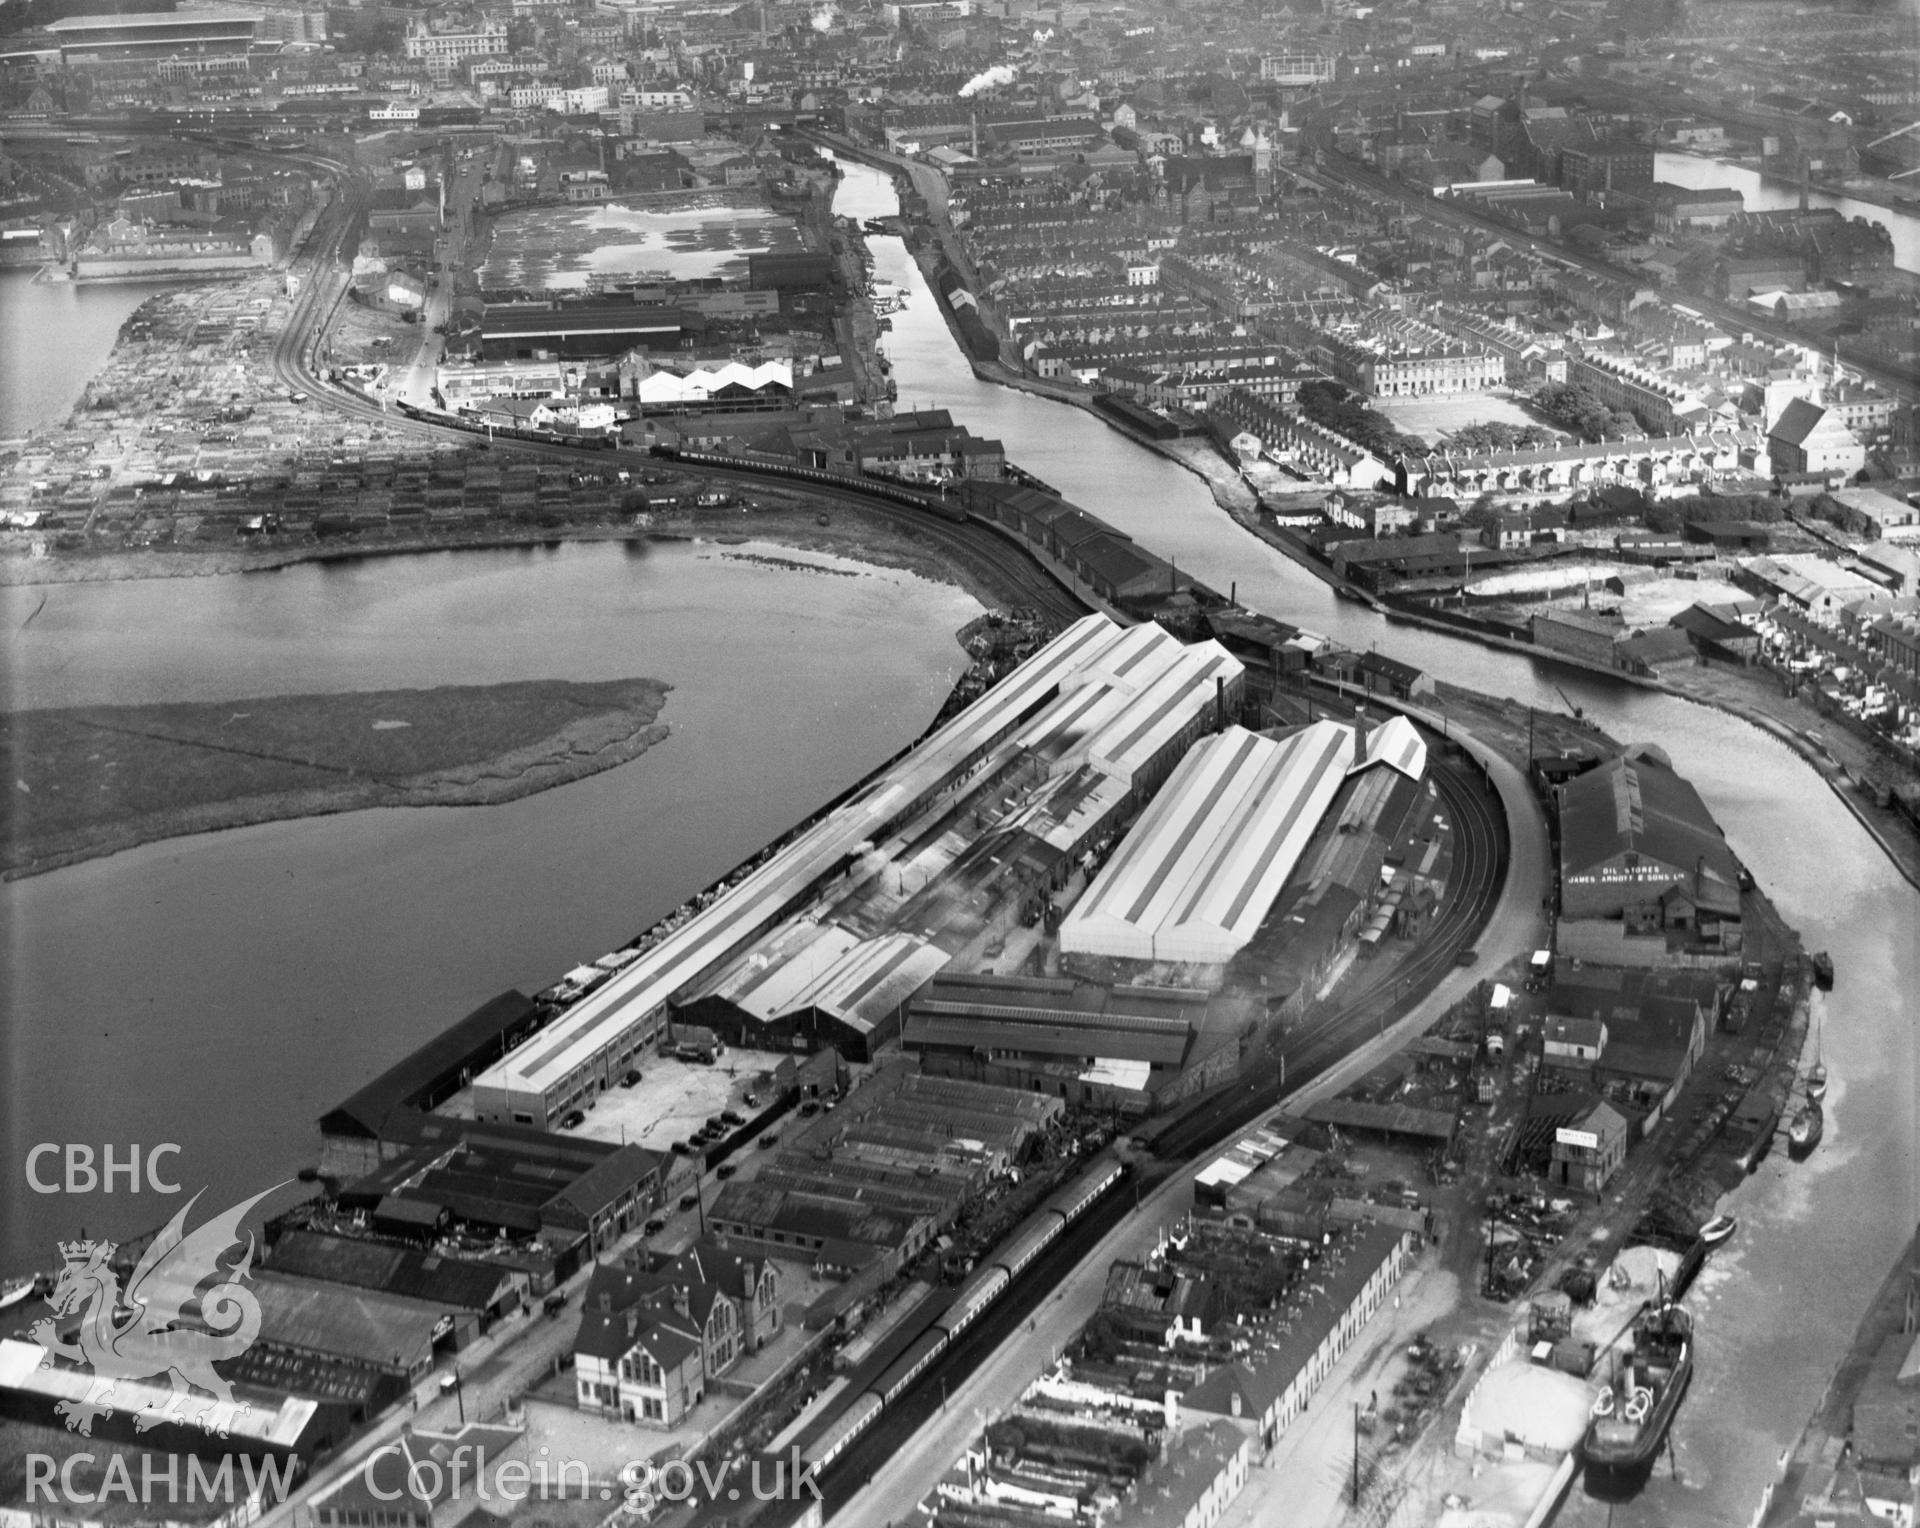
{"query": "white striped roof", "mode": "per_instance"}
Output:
(1199, 872)
(694, 949)
(1396, 742)
(671, 387)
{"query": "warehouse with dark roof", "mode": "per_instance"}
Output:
(1641, 857)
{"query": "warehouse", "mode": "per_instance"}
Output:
(768, 385)
(509, 1182)
(1093, 1046)
(1088, 725)
(576, 331)
(362, 1131)
(1639, 851)
(356, 1327)
(1198, 873)
(485, 1291)
(866, 1187)
(812, 985)
(154, 34)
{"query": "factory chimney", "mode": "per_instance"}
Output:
(1219, 704)
(973, 127)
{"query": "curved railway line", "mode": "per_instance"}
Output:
(1481, 852)
(970, 546)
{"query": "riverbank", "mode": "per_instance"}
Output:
(93, 780)
(1819, 1476)
(1836, 753)
(788, 519)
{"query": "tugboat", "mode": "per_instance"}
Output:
(1631, 1416)
(1803, 1134)
(1823, 971)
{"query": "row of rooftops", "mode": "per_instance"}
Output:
(1116, 685)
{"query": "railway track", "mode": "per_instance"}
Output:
(970, 546)
(1481, 851)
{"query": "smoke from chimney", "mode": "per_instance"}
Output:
(988, 79)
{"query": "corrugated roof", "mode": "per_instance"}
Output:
(1396, 742)
(1200, 870)
(1637, 806)
(874, 977)
(342, 1322)
(693, 950)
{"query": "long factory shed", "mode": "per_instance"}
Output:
(1134, 679)
(1199, 872)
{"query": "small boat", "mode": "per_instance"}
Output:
(1803, 1134)
(1717, 1230)
(1817, 1076)
(1631, 1416)
(1823, 971)
(16, 1290)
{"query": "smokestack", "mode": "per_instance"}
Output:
(1219, 704)
(973, 124)
(1233, 592)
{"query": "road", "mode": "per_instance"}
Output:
(1503, 922)
(1508, 925)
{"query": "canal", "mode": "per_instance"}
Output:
(1779, 1303)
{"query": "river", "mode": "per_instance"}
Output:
(1779, 1303)
(221, 991)
(39, 320)
(1698, 173)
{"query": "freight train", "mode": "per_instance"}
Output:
(474, 426)
(945, 1318)
(947, 506)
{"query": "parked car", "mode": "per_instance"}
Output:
(725, 1170)
(555, 1304)
(572, 1118)
(716, 1125)
(771, 1138)
(688, 1201)
(631, 1078)
(681, 1148)
(811, 1106)
(752, 1100)
(733, 1118)
(656, 1223)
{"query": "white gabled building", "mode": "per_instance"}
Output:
(1199, 872)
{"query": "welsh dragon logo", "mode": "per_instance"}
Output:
(143, 1332)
